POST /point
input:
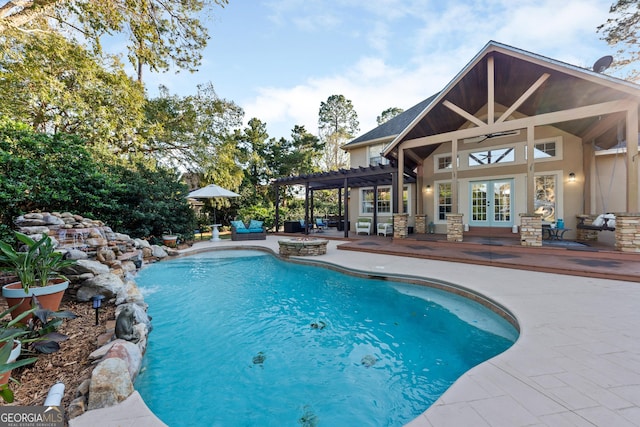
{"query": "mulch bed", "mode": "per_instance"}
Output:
(70, 365)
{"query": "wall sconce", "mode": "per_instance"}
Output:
(96, 300)
(428, 188)
(572, 177)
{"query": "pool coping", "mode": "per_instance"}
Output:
(575, 363)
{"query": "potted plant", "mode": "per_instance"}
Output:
(38, 272)
(169, 239)
(10, 349)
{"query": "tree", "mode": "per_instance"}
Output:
(337, 123)
(56, 86)
(196, 133)
(253, 145)
(57, 173)
(388, 114)
(623, 30)
(160, 32)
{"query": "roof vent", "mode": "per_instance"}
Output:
(602, 63)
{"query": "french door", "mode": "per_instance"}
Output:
(491, 203)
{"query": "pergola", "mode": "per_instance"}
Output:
(343, 180)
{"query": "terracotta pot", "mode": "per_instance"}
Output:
(17, 348)
(170, 241)
(49, 296)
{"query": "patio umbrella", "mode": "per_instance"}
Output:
(212, 191)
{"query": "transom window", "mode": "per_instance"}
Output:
(492, 157)
(544, 150)
(445, 162)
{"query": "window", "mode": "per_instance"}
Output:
(367, 201)
(491, 157)
(544, 150)
(405, 199)
(384, 200)
(445, 162)
(444, 200)
(375, 156)
(545, 197)
(550, 149)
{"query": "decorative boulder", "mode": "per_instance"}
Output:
(107, 284)
(86, 266)
(128, 352)
(110, 383)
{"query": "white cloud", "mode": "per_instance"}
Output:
(448, 37)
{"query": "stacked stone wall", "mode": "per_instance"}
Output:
(455, 227)
(421, 224)
(628, 232)
(400, 226)
(530, 230)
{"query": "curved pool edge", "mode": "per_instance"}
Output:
(524, 385)
(443, 285)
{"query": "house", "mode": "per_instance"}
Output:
(529, 135)
(516, 141)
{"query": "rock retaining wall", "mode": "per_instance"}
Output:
(106, 262)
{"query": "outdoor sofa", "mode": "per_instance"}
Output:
(254, 230)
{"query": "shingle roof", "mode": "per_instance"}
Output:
(394, 126)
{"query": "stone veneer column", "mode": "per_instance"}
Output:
(455, 228)
(421, 224)
(400, 226)
(583, 235)
(628, 232)
(530, 230)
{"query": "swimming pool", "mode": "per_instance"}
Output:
(242, 338)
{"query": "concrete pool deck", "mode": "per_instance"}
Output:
(576, 362)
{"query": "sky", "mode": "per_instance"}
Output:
(279, 59)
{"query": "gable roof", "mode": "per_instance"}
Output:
(393, 127)
(515, 72)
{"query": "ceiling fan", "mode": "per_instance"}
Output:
(480, 138)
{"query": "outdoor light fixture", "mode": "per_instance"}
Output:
(572, 177)
(96, 300)
(428, 188)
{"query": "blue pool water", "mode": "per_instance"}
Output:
(242, 338)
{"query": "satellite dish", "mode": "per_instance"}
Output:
(602, 63)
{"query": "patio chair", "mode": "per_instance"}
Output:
(305, 226)
(321, 225)
(386, 227)
(363, 225)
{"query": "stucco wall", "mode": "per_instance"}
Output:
(569, 159)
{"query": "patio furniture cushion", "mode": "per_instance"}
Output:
(254, 224)
(239, 225)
